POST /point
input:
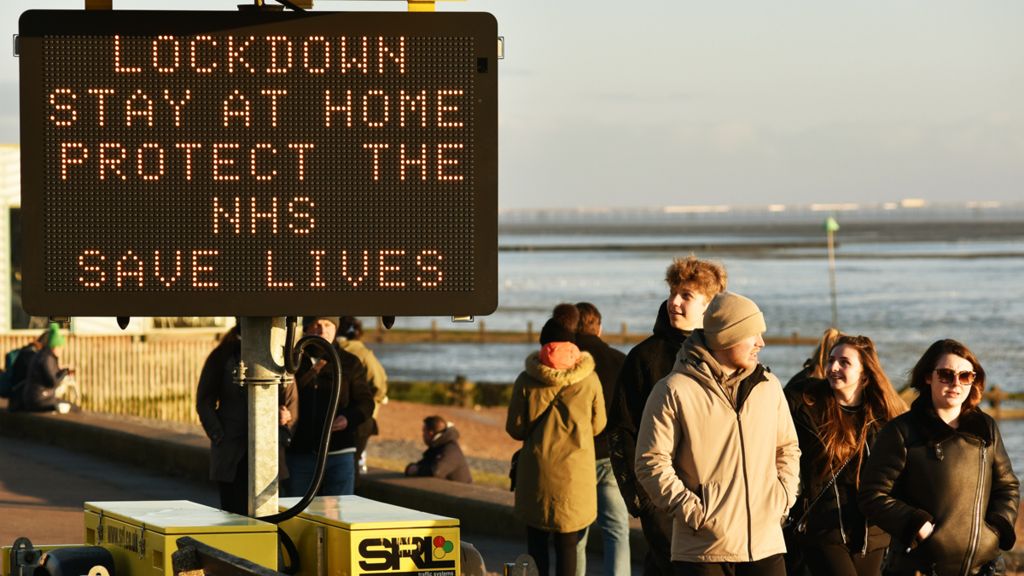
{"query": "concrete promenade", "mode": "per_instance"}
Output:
(116, 458)
(50, 464)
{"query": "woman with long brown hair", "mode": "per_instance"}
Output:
(940, 480)
(837, 420)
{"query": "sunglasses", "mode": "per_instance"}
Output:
(947, 376)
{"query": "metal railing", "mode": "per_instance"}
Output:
(145, 376)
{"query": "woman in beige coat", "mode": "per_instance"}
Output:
(556, 409)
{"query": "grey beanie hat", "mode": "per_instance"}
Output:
(729, 319)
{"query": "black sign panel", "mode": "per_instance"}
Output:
(259, 164)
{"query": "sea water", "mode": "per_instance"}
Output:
(904, 295)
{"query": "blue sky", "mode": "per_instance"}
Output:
(672, 102)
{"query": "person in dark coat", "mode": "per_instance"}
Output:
(222, 406)
(17, 372)
(837, 421)
(692, 283)
(352, 421)
(443, 457)
(39, 392)
(939, 479)
(612, 516)
(223, 409)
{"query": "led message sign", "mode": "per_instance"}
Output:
(258, 164)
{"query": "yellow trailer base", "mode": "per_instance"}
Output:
(142, 535)
(351, 535)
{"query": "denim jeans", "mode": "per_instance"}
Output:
(339, 474)
(613, 518)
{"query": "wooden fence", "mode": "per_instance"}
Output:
(149, 377)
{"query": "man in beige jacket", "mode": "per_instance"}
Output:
(717, 448)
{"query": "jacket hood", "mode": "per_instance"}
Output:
(449, 435)
(695, 360)
(973, 423)
(547, 376)
(664, 328)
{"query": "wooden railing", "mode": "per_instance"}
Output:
(150, 377)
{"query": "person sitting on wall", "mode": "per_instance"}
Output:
(39, 393)
(443, 457)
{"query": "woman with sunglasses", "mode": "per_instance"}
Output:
(939, 479)
(837, 420)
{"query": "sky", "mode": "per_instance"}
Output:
(677, 102)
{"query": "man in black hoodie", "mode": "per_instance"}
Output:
(612, 516)
(692, 283)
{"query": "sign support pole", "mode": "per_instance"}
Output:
(262, 373)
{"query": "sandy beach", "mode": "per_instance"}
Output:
(482, 436)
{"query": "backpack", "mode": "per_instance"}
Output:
(6, 378)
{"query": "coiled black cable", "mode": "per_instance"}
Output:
(292, 356)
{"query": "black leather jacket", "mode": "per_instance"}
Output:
(922, 470)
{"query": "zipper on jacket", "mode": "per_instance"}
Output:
(976, 531)
(746, 488)
(839, 511)
(864, 547)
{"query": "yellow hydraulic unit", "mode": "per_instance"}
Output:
(351, 535)
(142, 535)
